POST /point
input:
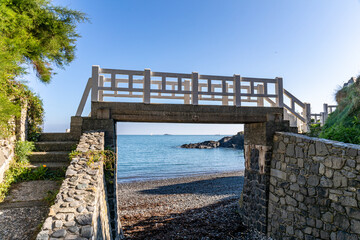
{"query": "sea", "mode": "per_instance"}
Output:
(153, 157)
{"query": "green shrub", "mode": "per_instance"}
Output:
(22, 150)
(315, 130)
(343, 124)
(342, 133)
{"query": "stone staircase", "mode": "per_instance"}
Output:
(24, 208)
(53, 150)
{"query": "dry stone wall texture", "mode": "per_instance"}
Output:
(6, 154)
(314, 189)
(80, 210)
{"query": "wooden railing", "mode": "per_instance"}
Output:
(191, 88)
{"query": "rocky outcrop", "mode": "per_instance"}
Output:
(236, 141)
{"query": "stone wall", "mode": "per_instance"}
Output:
(7, 145)
(81, 210)
(6, 154)
(314, 189)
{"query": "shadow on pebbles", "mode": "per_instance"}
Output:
(199, 207)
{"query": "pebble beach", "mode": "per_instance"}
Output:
(195, 207)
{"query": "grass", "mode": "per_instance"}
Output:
(20, 171)
(344, 123)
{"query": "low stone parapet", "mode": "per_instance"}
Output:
(80, 210)
(314, 189)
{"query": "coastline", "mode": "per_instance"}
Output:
(187, 207)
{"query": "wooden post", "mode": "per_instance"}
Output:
(95, 83)
(279, 92)
(195, 88)
(237, 94)
(147, 80)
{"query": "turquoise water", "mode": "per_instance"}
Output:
(156, 157)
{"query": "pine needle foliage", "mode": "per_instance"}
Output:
(38, 34)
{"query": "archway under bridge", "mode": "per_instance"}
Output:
(260, 124)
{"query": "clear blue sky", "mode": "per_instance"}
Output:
(313, 45)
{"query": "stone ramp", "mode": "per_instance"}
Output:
(24, 209)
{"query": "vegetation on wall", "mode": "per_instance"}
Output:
(38, 34)
(344, 123)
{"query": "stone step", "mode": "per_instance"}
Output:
(56, 137)
(46, 157)
(50, 165)
(55, 146)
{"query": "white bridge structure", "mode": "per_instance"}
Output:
(193, 88)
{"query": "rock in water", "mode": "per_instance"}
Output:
(236, 141)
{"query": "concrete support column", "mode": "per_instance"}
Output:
(258, 154)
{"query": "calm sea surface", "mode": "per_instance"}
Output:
(156, 157)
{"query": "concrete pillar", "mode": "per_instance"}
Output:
(258, 153)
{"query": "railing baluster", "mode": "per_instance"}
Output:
(265, 88)
(209, 85)
(113, 76)
(95, 83)
(195, 88)
(163, 83)
(131, 81)
(101, 92)
(280, 92)
(187, 96)
(237, 90)
(147, 76)
(179, 83)
(252, 92)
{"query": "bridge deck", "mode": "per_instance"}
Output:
(183, 113)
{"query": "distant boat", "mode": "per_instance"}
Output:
(167, 134)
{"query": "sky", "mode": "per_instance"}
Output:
(313, 45)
